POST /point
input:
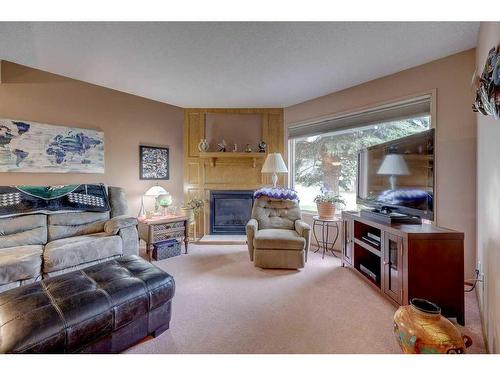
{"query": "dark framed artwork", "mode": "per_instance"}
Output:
(154, 163)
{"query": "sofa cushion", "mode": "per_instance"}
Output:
(278, 239)
(275, 213)
(72, 251)
(70, 224)
(20, 263)
(23, 230)
(117, 201)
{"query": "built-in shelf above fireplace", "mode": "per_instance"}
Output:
(213, 156)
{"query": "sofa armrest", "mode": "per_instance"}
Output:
(125, 227)
(251, 228)
(130, 240)
(304, 230)
(114, 225)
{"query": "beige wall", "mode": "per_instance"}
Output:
(127, 121)
(449, 78)
(488, 201)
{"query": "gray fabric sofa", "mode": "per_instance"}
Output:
(36, 246)
(277, 237)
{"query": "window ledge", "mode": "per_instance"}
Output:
(309, 212)
(338, 212)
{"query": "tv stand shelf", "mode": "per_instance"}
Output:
(412, 261)
(368, 247)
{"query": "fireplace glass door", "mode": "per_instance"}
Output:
(230, 211)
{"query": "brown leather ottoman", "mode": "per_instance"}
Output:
(105, 308)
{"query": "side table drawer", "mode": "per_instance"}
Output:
(159, 236)
(167, 227)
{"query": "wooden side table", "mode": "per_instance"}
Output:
(163, 228)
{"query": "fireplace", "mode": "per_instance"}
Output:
(230, 210)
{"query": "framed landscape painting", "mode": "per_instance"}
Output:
(27, 146)
(154, 163)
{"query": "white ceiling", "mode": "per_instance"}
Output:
(233, 64)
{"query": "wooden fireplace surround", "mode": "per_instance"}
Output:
(205, 171)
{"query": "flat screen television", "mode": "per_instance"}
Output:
(398, 176)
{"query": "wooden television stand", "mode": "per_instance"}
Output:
(411, 261)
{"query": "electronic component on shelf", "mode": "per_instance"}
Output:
(371, 241)
(387, 217)
(373, 236)
(368, 273)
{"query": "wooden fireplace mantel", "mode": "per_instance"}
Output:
(213, 156)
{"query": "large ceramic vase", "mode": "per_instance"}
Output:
(421, 329)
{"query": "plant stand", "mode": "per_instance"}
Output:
(326, 226)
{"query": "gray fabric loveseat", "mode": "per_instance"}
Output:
(37, 246)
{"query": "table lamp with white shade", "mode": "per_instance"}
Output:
(274, 164)
(154, 191)
(393, 165)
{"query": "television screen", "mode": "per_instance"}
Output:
(399, 174)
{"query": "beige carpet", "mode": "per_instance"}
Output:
(223, 304)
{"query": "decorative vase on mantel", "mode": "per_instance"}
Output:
(203, 145)
(421, 329)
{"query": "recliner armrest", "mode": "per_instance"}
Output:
(304, 230)
(252, 225)
(251, 228)
(114, 225)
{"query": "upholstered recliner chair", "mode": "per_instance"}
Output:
(277, 237)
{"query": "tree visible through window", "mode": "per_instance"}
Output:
(329, 162)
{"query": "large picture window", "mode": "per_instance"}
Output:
(328, 161)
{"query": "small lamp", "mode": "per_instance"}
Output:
(154, 191)
(164, 200)
(393, 165)
(274, 164)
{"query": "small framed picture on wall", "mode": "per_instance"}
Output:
(154, 163)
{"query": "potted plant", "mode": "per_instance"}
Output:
(192, 208)
(327, 203)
